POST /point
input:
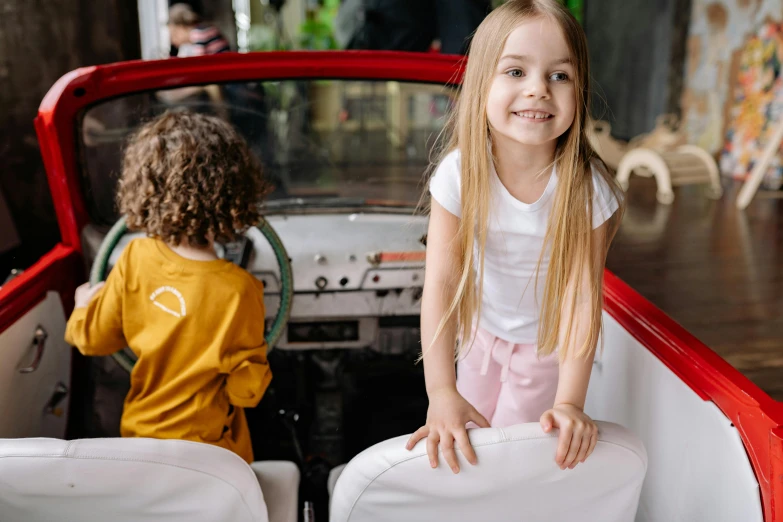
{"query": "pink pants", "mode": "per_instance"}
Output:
(507, 383)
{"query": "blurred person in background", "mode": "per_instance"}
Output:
(192, 36)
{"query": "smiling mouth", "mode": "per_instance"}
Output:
(534, 115)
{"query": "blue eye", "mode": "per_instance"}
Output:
(515, 73)
(559, 77)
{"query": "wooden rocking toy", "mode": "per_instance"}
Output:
(661, 154)
(685, 165)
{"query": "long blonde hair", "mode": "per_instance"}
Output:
(569, 230)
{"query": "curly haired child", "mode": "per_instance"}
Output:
(195, 322)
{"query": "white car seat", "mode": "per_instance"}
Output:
(140, 480)
(516, 479)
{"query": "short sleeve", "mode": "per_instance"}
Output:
(445, 183)
(605, 202)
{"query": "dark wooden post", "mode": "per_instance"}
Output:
(39, 42)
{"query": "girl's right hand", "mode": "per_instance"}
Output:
(447, 416)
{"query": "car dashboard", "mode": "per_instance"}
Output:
(358, 277)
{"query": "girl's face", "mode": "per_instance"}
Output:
(532, 99)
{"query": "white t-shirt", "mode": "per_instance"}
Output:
(511, 301)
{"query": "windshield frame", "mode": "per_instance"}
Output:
(58, 114)
(371, 153)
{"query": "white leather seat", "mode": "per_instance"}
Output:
(334, 474)
(139, 480)
(279, 481)
(516, 479)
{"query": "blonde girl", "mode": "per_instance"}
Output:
(522, 215)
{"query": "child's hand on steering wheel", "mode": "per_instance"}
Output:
(85, 293)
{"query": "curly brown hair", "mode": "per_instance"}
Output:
(186, 177)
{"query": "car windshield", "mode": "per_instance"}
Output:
(323, 143)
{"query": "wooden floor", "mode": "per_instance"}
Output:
(714, 269)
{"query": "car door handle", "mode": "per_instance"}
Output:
(39, 342)
(53, 406)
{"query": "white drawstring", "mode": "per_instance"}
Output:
(504, 369)
(488, 357)
(506, 365)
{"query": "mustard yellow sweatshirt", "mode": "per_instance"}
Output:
(197, 328)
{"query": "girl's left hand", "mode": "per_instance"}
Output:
(578, 434)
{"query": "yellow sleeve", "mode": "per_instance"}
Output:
(245, 359)
(97, 328)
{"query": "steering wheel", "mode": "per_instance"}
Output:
(126, 358)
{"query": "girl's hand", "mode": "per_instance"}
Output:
(447, 416)
(578, 434)
(85, 293)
